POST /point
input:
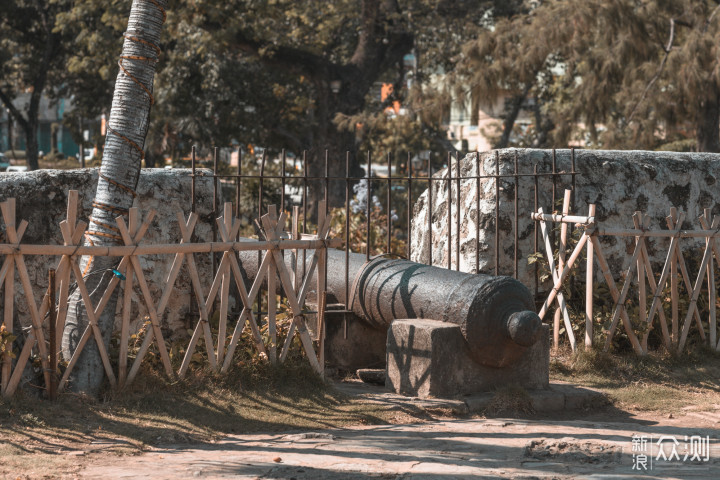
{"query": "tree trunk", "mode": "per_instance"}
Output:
(119, 174)
(708, 125)
(512, 111)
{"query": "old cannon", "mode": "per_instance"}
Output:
(494, 314)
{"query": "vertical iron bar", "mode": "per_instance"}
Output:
(261, 187)
(213, 262)
(497, 212)
(409, 207)
(449, 210)
(535, 228)
(192, 178)
(327, 183)
(52, 388)
(369, 199)
(347, 230)
(477, 210)
(554, 186)
(262, 184)
(457, 215)
(282, 182)
(429, 212)
(327, 212)
(238, 183)
(517, 218)
(389, 204)
(305, 205)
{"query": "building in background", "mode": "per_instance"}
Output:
(50, 123)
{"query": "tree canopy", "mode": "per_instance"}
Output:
(302, 75)
(609, 73)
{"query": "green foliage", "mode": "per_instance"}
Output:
(611, 74)
(6, 341)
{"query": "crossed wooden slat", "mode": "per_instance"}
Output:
(12, 263)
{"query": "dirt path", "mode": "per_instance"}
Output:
(474, 448)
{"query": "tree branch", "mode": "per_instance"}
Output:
(7, 101)
(302, 60)
(710, 18)
(652, 81)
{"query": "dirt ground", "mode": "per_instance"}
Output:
(285, 424)
(588, 445)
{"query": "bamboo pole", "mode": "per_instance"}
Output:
(227, 220)
(286, 282)
(712, 320)
(8, 312)
(564, 218)
(125, 326)
(620, 301)
(692, 308)
(92, 322)
(561, 262)
(589, 280)
(605, 269)
(642, 293)
(571, 261)
(674, 299)
(559, 279)
(165, 249)
(688, 286)
(246, 315)
(654, 292)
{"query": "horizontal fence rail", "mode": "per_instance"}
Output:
(649, 286)
(48, 319)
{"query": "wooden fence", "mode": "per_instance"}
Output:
(219, 351)
(639, 271)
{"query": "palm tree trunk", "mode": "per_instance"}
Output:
(119, 174)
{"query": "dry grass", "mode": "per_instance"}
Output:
(47, 439)
(657, 382)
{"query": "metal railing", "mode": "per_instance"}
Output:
(413, 184)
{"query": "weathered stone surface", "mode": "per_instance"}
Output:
(618, 182)
(431, 358)
(351, 343)
(41, 198)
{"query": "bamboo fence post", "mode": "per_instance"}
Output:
(558, 280)
(642, 293)
(589, 264)
(227, 219)
(712, 320)
(647, 267)
(8, 311)
(605, 269)
(692, 308)
(247, 298)
(620, 302)
(15, 236)
(712, 298)
(689, 287)
(561, 263)
(286, 282)
(675, 301)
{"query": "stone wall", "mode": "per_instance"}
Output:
(41, 198)
(618, 182)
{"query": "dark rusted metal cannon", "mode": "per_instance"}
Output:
(495, 314)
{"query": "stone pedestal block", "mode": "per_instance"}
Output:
(427, 358)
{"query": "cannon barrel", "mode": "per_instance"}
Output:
(495, 314)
